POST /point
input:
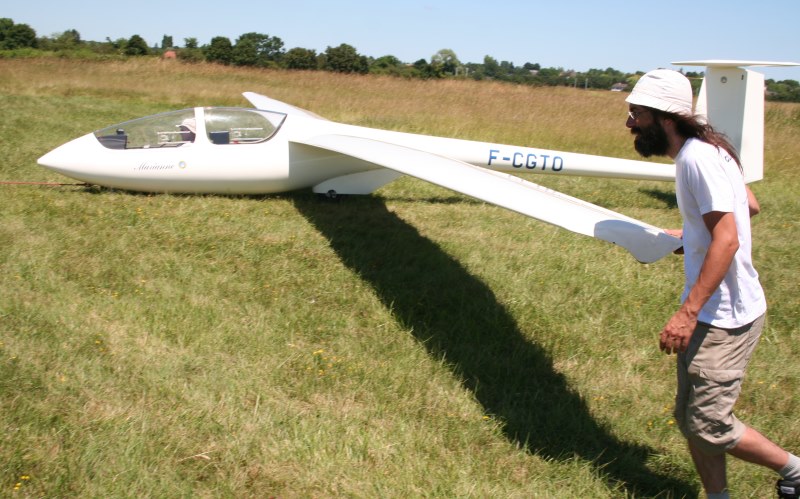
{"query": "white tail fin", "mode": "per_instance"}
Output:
(732, 100)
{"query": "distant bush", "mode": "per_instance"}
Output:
(783, 91)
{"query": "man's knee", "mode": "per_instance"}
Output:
(709, 436)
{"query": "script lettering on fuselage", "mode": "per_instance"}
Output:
(152, 165)
(526, 160)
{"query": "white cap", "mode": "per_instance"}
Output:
(665, 90)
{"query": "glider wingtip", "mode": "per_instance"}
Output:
(646, 244)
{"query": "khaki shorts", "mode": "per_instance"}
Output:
(710, 375)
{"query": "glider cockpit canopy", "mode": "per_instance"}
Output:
(219, 125)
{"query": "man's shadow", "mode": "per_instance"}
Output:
(458, 318)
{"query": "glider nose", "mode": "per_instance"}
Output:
(70, 159)
(51, 160)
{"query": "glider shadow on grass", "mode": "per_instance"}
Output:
(457, 317)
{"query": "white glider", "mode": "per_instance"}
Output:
(278, 147)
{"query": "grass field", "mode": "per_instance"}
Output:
(413, 343)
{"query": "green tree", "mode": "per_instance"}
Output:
(300, 58)
(166, 42)
(597, 78)
(783, 91)
(491, 68)
(257, 49)
(551, 76)
(386, 61)
(391, 65)
(423, 68)
(190, 52)
(113, 46)
(16, 36)
(445, 61)
(136, 46)
(68, 40)
(245, 52)
(345, 59)
(219, 50)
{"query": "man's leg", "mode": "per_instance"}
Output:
(755, 448)
(711, 469)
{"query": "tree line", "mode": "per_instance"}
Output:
(265, 51)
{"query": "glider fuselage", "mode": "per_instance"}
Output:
(282, 162)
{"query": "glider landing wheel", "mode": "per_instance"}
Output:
(334, 196)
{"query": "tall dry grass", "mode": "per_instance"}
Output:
(489, 111)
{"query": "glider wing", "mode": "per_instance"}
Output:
(645, 242)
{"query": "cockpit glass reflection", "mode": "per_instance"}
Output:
(240, 126)
(222, 126)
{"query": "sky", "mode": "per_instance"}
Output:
(626, 35)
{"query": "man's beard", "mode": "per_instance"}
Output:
(651, 140)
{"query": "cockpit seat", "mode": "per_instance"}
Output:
(221, 137)
(116, 141)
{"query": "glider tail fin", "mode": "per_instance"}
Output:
(732, 100)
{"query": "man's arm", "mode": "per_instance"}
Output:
(752, 202)
(724, 244)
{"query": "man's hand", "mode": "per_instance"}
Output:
(676, 334)
(676, 233)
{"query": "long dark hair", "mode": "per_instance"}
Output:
(692, 127)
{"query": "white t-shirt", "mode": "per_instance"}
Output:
(707, 179)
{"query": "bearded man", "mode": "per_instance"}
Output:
(719, 322)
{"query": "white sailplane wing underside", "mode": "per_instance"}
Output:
(645, 242)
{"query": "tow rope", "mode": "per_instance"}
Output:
(57, 184)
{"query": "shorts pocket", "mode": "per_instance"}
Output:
(721, 375)
(715, 392)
